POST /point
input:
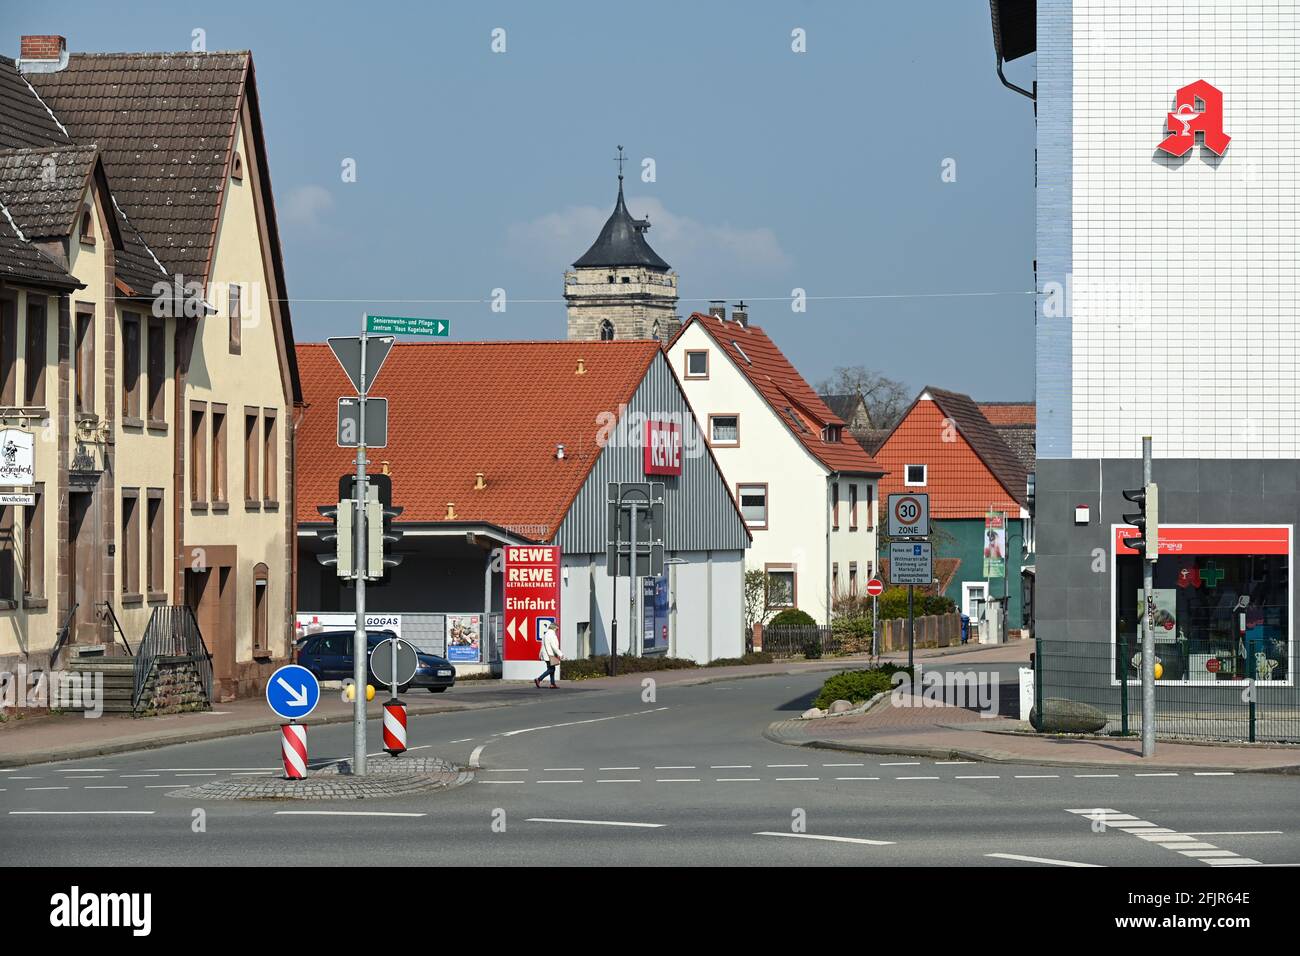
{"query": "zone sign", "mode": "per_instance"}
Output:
(909, 516)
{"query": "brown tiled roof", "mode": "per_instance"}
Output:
(1009, 413)
(164, 123)
(1021, 439)
(24, 121)
(984, 439)
(463, 407)
(42, 187)
(22, 261)
(792, 399)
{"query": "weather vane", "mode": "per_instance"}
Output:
(620, 159)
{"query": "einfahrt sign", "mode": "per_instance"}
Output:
(532, 604)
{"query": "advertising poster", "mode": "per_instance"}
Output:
(995, 544)
(464, 638)
(654, 614)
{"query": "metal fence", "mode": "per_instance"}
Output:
(172, 632)
(1206, 690)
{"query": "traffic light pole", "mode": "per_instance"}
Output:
(360, 540)
(1148, 631)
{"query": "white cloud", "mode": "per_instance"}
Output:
(695, 249)
(306, 205)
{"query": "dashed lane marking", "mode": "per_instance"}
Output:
(621, 780)
(829, 839)
(345, 813)
(79, 813)
(597, 823)
(1039, 859)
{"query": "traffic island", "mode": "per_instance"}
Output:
(386, 777)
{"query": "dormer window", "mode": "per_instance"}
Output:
(86, 230)
(831, 433)
(914, 476)
(237, 168)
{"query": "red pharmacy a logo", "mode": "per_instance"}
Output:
(1187, 120)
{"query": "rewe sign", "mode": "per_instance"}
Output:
(663, 448)
(532, 600)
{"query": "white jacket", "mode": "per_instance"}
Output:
(550, 646)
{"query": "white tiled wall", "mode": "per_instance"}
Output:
(1191, 261)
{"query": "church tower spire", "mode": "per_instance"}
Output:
(620, 288)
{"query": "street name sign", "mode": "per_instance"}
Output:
(404, 325)
(911, 562)
(347, 349)
(394, 661)
(908, 516)
(293, 692)
(350, 422)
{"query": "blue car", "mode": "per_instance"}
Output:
(328, 655)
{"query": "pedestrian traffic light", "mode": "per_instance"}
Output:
(1146, 519)
(339, 534)
(380, 533)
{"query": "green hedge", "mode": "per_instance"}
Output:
(588, 667)
(857, 686)
(893, 604)
(753, 657)
(792, 617)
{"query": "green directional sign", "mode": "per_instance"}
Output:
(404, 325)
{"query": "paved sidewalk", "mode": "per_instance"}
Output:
(70, 736)
(953, 733)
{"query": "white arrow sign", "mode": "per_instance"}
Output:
(510, 628)
(297, 698)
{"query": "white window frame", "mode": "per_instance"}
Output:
(767, 504)
(925, 476)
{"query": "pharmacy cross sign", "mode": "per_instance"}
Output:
(1212, 575)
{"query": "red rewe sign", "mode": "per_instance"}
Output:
(1187, 120)
(532, 599)
(663, 448)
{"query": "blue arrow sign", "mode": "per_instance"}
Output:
(293, 692)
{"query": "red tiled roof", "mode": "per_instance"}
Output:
(459, 408)
(1009, 413)
(795, 403)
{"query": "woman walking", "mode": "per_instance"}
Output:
(550, 656)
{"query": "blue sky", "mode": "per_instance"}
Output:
(774, 169)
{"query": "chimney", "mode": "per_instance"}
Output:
(479, 481)
(43, 54)
(718, 309)
(451, 511)
(582, 367)
(740, 313)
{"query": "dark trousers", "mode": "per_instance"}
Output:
(549, 672)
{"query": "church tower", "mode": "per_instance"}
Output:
(620, 288)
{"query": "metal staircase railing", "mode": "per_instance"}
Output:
(173, 632)
(63, 634)
(117, 625)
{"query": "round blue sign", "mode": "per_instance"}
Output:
(293, 692)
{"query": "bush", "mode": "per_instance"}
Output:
(588, 667)
(792, 617)
(893, 604)
(753, 657)
(857, 686)
(812, 648)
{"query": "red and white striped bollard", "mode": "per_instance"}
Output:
(394, 726)
(294, 750)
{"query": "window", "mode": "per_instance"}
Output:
(607, 329)
(157, 372)
(724, 430)
(853, 579)
(130, 542)
(835, 581)
(34, 383)
(34, 549)
(219, 454)
(252, 442)
(87, 232)
(753, 504)
(131, 366)
(780, 586)
(233, 310)
(853, 506)
(831, 433)
(237, 168)
(198, 454)
(915, 474)
(270, 479)
(871, 506)
(155, 560)
(8, 351)
(835, 506)
(697, 364)
(7, 594)
(261, 610)
(84, 359)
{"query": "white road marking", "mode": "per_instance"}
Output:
(675, 768)
(120, 786)
(345, 813)
(127, 776)
(916, 778)
(1083, 776)
(463, 740)
(829, 839)
(776, 766)
(157, 770)
(196, 774)
(45, 788)
(738, 779)
(80, 770)
(618, 768)
(1179, 842)
(903, 763)
(597, 823)
(1164, 774)
(563, 769)
(790, 779)
(473, 757)
(507, 770)
(249, 773)
(1039, 859)
(1214, 773)
(1037, 776)
(978, 776)
(843, 765)
(678, 780)
(1233, 832)
(79, 813)
(559, 781)
(574, 723)
(621, 780)
(166, 786)
(501, 781)
(732, 766)
(857, 778)
(941, 763)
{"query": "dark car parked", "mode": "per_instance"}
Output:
(328, 655)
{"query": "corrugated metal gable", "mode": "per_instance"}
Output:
(700, 513)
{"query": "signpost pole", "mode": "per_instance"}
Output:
(359, 564)
(631, 585)
(911, 628)
(1148, 633)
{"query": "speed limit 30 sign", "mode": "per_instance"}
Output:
(909, 516)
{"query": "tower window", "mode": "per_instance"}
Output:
(606, 331)
(626, 279)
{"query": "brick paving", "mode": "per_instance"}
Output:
(385, 777)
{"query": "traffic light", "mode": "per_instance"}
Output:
(1146, 519)
(380, 533)
(339, 535)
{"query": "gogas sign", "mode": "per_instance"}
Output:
(663, 448)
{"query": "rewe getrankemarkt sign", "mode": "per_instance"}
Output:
(532, 607)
